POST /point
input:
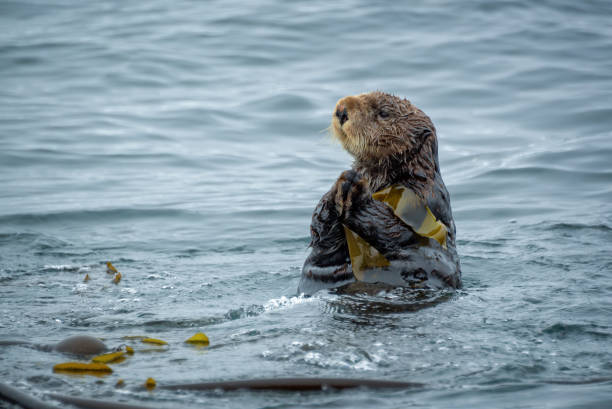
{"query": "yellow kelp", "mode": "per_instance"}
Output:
(83, 368)
(108, 358)
(154, 341)
(110, 269)
(198, 339)
(411, 210)
(150, 383)
(363, 256)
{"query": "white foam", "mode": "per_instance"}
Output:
(285, 302)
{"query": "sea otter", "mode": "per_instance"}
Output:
(388, 219)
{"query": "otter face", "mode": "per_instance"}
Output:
(376, 125)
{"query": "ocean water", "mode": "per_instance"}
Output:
(186, 142)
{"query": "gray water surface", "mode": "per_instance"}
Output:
(186, 142)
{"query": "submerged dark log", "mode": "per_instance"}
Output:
(296, 384)
(14, 395)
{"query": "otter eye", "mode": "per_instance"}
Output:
(383, 114)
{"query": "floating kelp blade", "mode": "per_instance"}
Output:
(295, 384)
(110, 269)
(83, 368)
(413, 211)
(150, 383)
(363, 256)
(154, 341)
(198, 339)
(108, 358)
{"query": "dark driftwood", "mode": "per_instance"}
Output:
(295, 384)
(14, 395)
(95, 404)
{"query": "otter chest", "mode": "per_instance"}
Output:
(412, 210)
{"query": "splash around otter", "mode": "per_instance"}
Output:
(388, 219)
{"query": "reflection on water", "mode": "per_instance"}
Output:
(363, 299)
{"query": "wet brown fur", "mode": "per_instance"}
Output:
(392, 142)
(390, 139)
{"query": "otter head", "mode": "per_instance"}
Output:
(375, 127)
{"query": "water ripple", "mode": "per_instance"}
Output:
(187, 144)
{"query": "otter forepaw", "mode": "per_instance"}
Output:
(351, 190)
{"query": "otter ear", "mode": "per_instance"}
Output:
(425, 133)
(422, 134)
(428, 133)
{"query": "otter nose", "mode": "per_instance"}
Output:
(341, 114)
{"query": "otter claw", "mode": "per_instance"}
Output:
(350, 190)
(351, 176)
(346, 187)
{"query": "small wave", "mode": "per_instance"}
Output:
(510, 372)
(89, 215)
(244, 312)
(586, 381)
(577, 226)
(273, 304)
(65, 268)
(562, 330)
(181, 323)
(347, 360)
(12, 238)
(555, 173)
(366, 300)
(323, 354)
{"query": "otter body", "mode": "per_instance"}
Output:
(394, 145)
